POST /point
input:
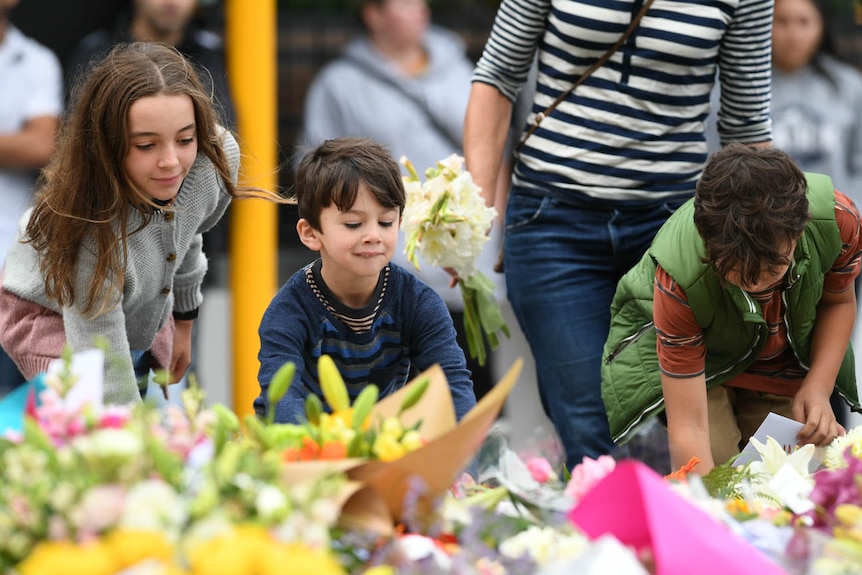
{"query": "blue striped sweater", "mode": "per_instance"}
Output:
(406, 323)
(633, 132)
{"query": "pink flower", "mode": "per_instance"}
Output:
(587, 474)
(114, 417)
(540, 468)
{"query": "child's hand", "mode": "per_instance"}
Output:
(181, 355)
(812, 408)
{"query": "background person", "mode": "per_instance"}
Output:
(31, 101)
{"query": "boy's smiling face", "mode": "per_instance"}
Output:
(356, 243)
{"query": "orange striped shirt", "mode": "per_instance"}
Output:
(679, 342)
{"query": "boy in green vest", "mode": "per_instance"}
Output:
(743, 305)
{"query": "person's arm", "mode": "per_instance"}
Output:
(284, 331)
(31, 147)
(430, 334)
(499, 75)
(688, 421)
(745, 71)
(836, 314)
(486, 127)
(682, 360)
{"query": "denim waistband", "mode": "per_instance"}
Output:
(586, 202)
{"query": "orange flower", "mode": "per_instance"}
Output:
(681, 473)
(333, 450)
(311, 451)
(308, 452)
(737, 507)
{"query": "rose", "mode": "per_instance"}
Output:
(587, 475)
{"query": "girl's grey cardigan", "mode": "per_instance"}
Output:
(164, 272)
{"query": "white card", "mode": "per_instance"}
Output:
(783, 430)
(89, 367)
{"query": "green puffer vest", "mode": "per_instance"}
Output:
(733, 326)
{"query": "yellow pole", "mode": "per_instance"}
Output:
(250, 33)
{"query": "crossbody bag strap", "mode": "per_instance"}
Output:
(595, 66)
(454, 142)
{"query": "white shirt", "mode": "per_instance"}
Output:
(31, 86)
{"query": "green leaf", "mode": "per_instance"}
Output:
(364, 404)
(356, 448)
(258, 432)
(227, 424)
(278, 387)
(414, 394)
(313, 408)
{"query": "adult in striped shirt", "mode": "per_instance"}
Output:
(607, 166)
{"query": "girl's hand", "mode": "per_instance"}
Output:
(181, 357)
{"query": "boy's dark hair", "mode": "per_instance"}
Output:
(332, 173)
(750, 204)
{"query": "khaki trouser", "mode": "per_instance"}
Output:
(735, 414)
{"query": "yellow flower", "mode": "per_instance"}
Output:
(380, 570)
(298, 559)
(387, 448)
(250, 550)
(132, 546)
(54, 557)
(338, 425)
(833, 457)
(412, 440)
(236, 553)
(392, 425)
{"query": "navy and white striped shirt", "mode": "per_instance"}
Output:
(633, 131)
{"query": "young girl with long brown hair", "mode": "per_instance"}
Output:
(112, 245)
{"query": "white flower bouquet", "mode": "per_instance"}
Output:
(446, 223)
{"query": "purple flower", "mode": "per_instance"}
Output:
(835, 487)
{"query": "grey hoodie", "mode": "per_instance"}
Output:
(820, 123)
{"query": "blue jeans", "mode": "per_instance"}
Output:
(563, 260)
(143, 361)
(10, 377)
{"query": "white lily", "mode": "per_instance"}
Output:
(779, 477)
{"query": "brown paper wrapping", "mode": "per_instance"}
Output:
(373, 498)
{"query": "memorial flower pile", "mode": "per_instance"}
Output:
(190, 489)
(102, 490)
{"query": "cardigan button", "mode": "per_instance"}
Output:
(171, 257)
(166, 290)
(169, 216)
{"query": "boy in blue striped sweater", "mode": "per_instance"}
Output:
(373, 318)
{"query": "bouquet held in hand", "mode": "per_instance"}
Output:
(446, 222)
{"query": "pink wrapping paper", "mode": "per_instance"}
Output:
(639, 508)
